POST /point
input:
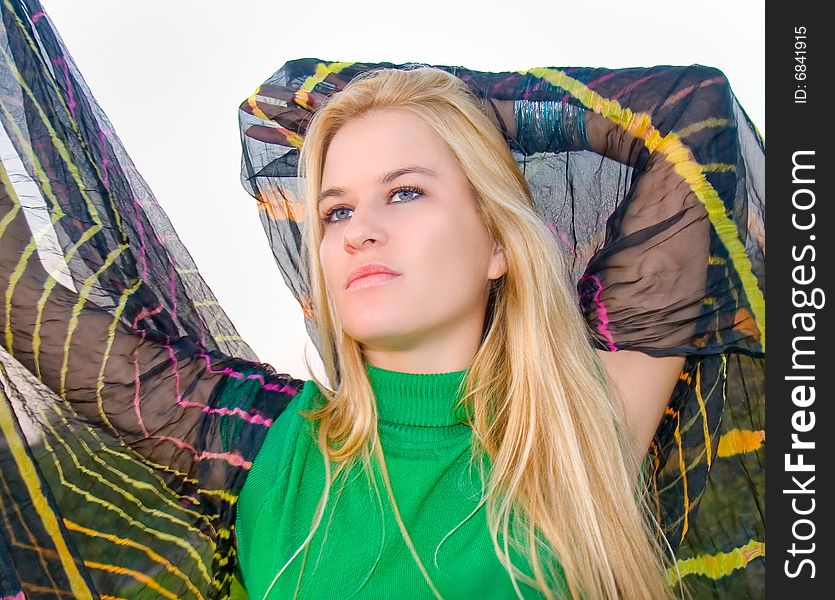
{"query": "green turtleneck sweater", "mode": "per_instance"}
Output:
(358, 550)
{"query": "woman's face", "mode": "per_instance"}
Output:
(392, 193)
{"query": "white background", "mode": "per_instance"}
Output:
(171, 75)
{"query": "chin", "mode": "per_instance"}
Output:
(371, 314)
(371, 334)
(377, 332)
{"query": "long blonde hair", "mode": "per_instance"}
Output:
(562, 474)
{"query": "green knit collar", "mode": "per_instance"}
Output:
(417, 399)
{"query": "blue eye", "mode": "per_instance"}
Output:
(409, 189)
(336, 209)
(406, 189)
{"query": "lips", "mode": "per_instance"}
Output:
(368, 269)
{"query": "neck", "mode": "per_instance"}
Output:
(441, 358)
(444, 348)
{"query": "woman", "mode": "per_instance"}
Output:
(381, 140)
(153, 377)
(642, 260)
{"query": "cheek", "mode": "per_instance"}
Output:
(334, 277)
(453, 253)
(328, 260)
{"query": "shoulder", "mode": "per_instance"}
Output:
(307, 398)
(287, 426)
(251, 399)
(255, 390)
(285, 440)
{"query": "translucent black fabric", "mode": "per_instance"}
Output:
(121, 453)
(113, 477)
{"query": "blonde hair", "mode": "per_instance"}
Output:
(561, 473)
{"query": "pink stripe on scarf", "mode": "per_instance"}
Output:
(602, 315)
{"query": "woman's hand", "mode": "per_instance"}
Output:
(289, 108)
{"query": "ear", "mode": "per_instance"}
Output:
(498, 262)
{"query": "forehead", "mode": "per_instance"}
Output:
(381, 141)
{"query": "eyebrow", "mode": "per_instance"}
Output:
(386, 178)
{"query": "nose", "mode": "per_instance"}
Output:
(364, 228)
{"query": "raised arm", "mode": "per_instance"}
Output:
(645, 288)
(130, 382)
(139, 434)
(673, 295)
